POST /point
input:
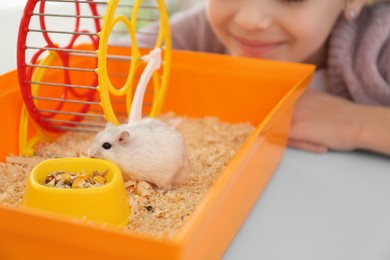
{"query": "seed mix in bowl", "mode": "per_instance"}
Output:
(75, 180)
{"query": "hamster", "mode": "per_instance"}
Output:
(147, 150)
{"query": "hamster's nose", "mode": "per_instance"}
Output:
(90, 155)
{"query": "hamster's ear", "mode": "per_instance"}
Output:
(109, 125)
(123, 137)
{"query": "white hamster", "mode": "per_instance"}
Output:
(147, 150)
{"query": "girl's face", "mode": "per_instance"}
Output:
(289, 30)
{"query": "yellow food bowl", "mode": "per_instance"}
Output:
(107, 204)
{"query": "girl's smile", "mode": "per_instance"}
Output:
(255, 48)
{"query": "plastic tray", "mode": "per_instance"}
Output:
(230, 88)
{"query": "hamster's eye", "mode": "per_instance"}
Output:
(106, 146)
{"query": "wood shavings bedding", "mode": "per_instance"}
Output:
(157, 213)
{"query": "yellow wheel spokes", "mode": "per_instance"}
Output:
(159, 78)
(134, 58)
(26, 145)
(164, 37)
(105, 87)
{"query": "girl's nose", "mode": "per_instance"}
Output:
(254, 15)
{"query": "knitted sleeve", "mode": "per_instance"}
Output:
(359, 57)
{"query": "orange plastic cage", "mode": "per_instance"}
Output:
(230, 88)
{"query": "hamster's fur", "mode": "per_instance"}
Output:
(148, 150)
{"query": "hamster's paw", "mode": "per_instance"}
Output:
(164, 186)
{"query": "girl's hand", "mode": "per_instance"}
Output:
(323, 121)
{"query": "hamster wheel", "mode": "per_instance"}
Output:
(71, 74)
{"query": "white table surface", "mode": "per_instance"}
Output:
(329, 206)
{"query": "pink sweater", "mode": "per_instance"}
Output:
(358, 58)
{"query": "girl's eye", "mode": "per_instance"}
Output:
(106, 146)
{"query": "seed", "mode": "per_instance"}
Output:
(103, 173)
(99, 179)
(51, 183)
(49, 178)
(79, 182)
(65, 177)
(60, 183)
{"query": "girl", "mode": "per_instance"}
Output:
(348, 41)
